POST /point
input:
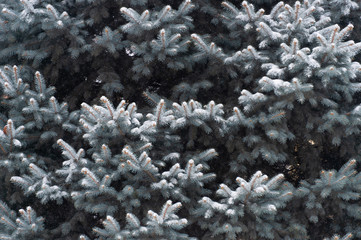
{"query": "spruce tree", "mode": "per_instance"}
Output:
(134, 119)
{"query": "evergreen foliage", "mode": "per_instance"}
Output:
(193, 120)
